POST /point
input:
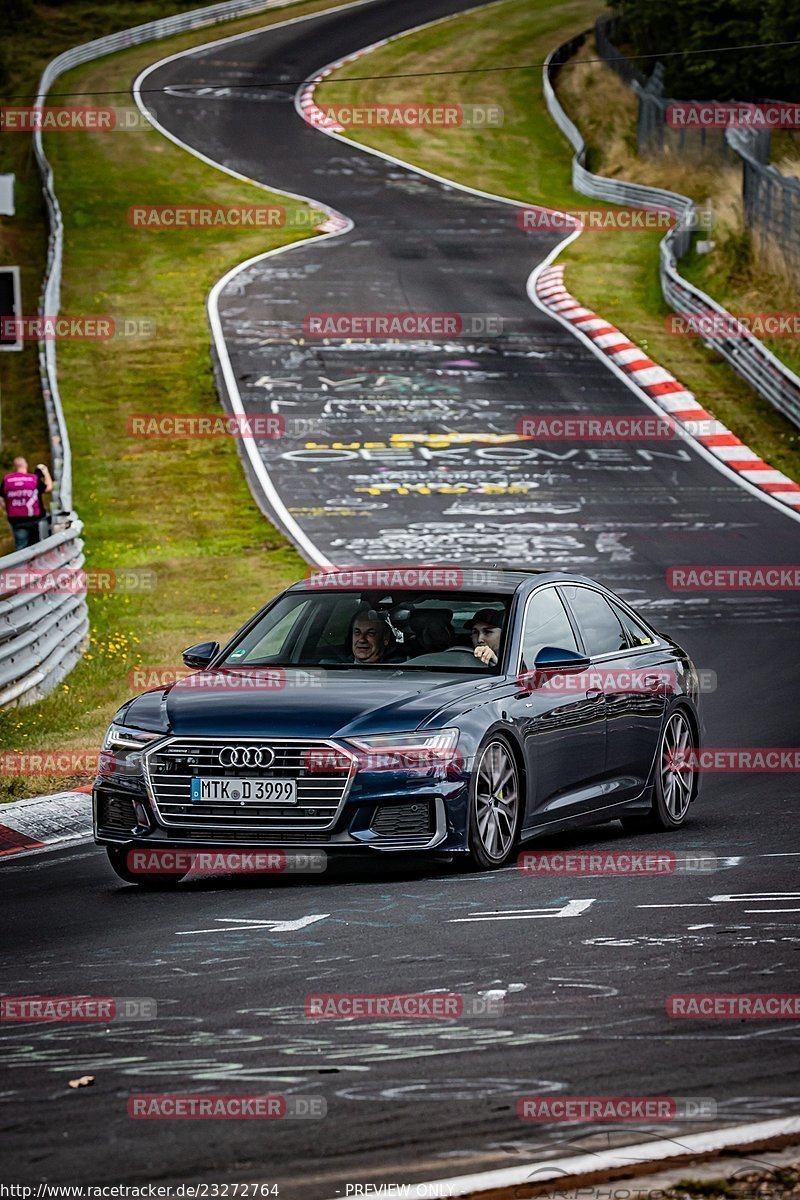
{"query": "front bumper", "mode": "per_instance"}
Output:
(386, 810)
(419, 824)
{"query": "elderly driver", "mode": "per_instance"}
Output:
(370, 637)
(486, 627)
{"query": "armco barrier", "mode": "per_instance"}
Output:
(765, 373)
(42, 632)
(51, 293)
(41, 635)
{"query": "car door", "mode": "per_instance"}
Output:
(633, 684)
(566, 722)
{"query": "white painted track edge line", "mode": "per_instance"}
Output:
(313, 81)
(257, 463)
(704, 452)
(621, 1158)
(729, 474)
(270, 492)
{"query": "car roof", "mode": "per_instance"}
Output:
(492, 580)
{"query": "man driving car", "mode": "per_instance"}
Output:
(370, 637)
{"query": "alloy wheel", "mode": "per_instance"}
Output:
(677, 768)
(496, 800)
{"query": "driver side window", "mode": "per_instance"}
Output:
(259, 649)
(546, 624)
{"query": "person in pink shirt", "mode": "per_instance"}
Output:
(21, 493)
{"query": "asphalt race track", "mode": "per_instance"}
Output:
(230, 962)
(407, 1100)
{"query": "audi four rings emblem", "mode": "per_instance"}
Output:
(246, 756)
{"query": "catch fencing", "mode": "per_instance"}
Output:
(765, 373)
(771, 199)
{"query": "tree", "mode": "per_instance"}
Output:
(698, 29)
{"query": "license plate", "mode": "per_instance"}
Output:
(258, 791)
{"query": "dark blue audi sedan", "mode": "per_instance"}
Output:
(407, 709)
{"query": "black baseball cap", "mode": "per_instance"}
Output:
(487, 616)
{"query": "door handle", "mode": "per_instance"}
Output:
(594, 695)
(656, 682)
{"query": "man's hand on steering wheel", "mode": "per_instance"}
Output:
(486, 655)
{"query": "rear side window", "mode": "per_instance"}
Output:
(602, 630)
(546, 624)
(637, 634)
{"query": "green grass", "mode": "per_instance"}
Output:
(179, 507)
(528, 159)
(183, 508)
(27, 47)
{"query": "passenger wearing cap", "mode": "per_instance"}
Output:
(486, 627)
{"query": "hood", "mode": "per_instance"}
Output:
(302, 703)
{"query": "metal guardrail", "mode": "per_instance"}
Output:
(51, 292)
(42, 633)
(43, 616)
(771, 200)
(765, 373)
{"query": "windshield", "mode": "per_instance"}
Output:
(399, 630)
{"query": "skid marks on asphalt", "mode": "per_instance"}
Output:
(607, 987)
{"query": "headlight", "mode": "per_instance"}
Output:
(122, 750)
(119, 737)
(434, 739)
(398, 751)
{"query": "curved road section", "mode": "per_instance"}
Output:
(428, 466)
(408, 450)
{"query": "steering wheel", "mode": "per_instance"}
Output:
(463, 650)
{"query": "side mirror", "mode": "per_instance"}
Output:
(556, 658)
(198, 657)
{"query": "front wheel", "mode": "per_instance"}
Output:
(153, 881)
(674, 784)
(495, 805)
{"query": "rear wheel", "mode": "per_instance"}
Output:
(673, 787)
(152, 881)
(494, 806)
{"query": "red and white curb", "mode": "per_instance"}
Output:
(34, 824)
(311, 113)
(621, 1162)
(665, 390)
(309, 110)
(546, 288)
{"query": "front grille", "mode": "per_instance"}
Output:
(413, 823)
(320, 793)
(115, 813)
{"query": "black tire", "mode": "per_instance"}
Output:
(162, 881)
(495, 805)
(674, 784)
